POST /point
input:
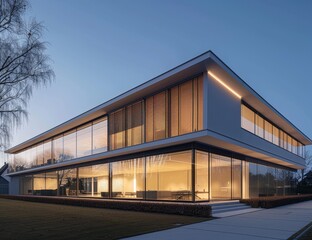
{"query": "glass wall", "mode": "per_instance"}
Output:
(88, 139)
(172, 112)
(256, 124)
(166, 177)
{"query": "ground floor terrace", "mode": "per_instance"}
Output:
(182, 174)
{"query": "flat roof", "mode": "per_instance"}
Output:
(193, 67)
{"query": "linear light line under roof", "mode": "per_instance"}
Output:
(224, 85)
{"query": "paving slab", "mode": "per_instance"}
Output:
(275, 223)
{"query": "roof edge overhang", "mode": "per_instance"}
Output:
(182, 72)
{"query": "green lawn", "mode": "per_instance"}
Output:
(29, 220)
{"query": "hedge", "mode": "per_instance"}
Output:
(271, 202)
(188, 209)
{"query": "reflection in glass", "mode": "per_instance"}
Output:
(263, 180)
(47, 152)
(67, 180)
(99, 133)
(253, 180)
(84, 140)
(57, 149)
(70, 145)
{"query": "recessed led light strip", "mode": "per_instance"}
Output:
(224, 85)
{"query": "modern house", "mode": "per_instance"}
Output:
(197, 132)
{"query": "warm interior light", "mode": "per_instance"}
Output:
(224, 85)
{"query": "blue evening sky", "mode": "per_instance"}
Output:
(103, 48)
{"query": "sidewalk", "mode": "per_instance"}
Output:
(275, 223)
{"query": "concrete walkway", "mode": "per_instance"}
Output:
(275, 223)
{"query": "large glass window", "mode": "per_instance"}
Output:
(174, 111)
(259, 126)
(70, 145)
(93, 181)
(271, 181)
(253, 180)
(268, 131)
(67, 181)
(51, 184)
(168, 176)
(186, 107)
(220, 177)
(39, 184)
(275, 135)
(236, 178)
(47, 152)
(117, 129)
(128, 179)
(248, 119)
(58, 149)
(264, 129)
(99, 136)
(135, 123)
(39, 154)
(156, 117)
(201, 176)
(84, 140)
(26, 185)
(263, 180)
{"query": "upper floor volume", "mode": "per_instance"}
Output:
(201, 100)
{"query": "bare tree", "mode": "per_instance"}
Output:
(23, 64)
